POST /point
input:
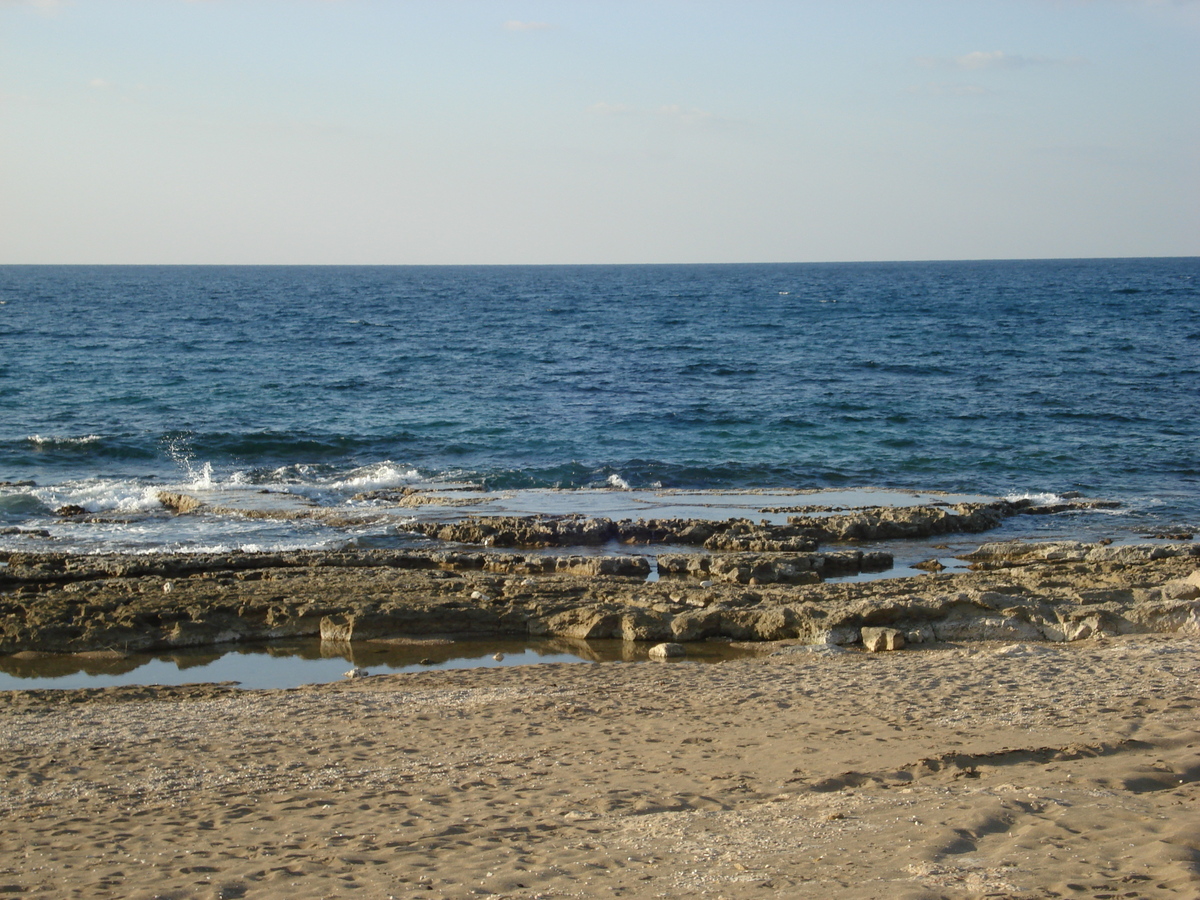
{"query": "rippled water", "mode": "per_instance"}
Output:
(992, 378)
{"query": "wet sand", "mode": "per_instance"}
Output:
(1015, 770)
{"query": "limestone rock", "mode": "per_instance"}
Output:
(879, 639)
(588, 622)
(696, 625)
(667, 651)
(886, 522)
(62, 603)
(620, 566)
(645, 625)
(775, 623)
(838, 635)
(960, 627)
(1183, 588)
(773, 568)
(337, 629)
(179, 503)
(1077, 551)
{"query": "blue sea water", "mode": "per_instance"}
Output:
(996, 378)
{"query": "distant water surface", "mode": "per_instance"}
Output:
(995, 378)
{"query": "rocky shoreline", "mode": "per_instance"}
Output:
(1041, 744)
(752, 582)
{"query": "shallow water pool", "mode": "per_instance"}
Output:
(286, 664)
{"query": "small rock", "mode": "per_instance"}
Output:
(878, 639)
(71, 509)
(357, 672)
(179, 503)
(929, 565)
(667, 651)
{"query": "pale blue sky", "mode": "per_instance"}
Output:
(581, 131)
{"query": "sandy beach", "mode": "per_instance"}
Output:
(993, 769)
(1023, 728)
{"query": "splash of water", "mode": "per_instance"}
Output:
(178, 448)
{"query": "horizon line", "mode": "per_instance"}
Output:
(333, 265)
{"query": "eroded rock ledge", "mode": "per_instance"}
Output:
(1029, 592)
(801, 534)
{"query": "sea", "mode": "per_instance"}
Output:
(325, 388)
(300, 405)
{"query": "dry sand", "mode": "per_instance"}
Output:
(989, 770)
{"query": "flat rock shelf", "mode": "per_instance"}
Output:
(1056, 592)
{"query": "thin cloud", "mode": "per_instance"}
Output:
(991, 59)
(998, 59)
(978, 60)
(517, 25)
(684, 115)
(942, 89)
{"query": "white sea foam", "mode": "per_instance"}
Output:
(291, 474)
(199, 474)
(101, 496)
(618, 482)
(55, 440)
(378, 476)
(202, 478)
(1044, 498)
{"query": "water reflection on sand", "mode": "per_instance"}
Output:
(290, 663)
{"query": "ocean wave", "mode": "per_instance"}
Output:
(21, 505)
(67, 450)
(101, 496)
(378, 476)
(57, 441)
(1038, 498)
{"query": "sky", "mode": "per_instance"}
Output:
(596, 131)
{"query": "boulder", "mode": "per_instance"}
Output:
(667, 651)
